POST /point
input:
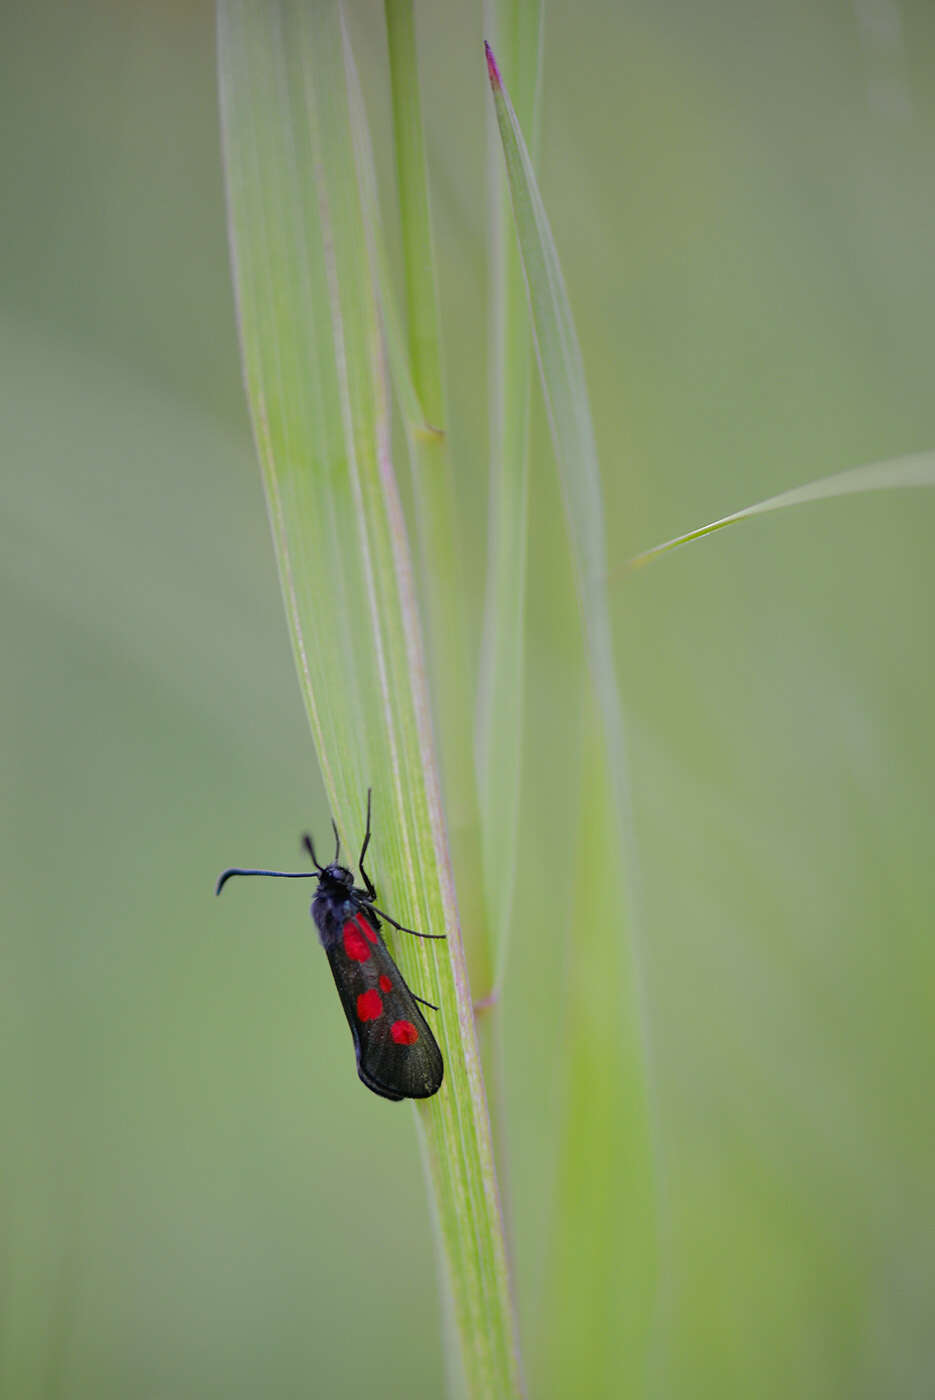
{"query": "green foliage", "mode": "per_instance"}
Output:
(196, 1189)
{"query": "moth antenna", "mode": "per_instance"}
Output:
(277, 874)
(307, 843)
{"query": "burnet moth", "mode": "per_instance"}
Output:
(397, 1054)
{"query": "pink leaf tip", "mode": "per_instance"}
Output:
(492, 69)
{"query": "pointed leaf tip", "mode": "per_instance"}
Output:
(493, 71)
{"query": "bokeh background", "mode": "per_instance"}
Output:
(197, 1197)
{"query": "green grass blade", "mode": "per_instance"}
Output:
(441, 565)
(518, 28)
(442, 591)
(397, 350)
(561, 372)
(593, 1339)
(629, 1163)
(898, 473)
(560, 365)
(416, 218)
(317, 387)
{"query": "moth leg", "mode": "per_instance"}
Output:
(402, 927)
(368, 883)
(414, 996)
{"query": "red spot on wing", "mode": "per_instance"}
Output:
(355, 945)
(386, 984)
(369, 1006)
(366, 930)
(404, 1033)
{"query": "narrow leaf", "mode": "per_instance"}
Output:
(499, 737)
(896, 474)
(440, 540)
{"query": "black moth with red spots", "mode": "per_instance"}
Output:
(397, 1054)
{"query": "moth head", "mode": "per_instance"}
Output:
(338, 875)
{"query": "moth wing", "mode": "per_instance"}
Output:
(397, 1054)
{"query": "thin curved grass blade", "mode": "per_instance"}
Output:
(898, 473)
(502, 681)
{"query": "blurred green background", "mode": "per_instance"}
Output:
(198, 1198)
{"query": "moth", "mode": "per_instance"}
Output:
(397, 1054)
